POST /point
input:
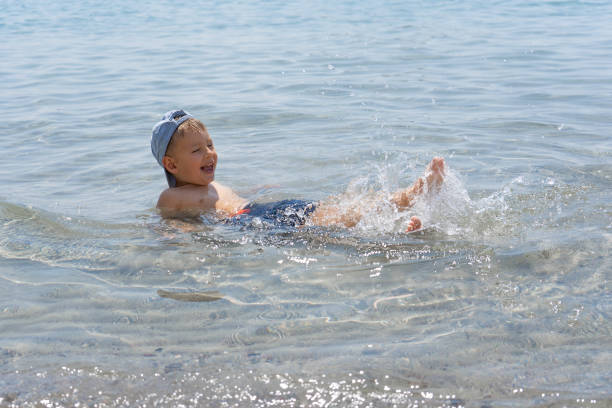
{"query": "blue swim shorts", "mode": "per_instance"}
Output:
(286, 212)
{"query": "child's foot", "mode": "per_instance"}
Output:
(433, 178)
(435, 173)
(414, 224)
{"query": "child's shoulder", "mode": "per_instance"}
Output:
(169, 198)
(186, 198)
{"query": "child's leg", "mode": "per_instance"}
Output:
(327, 214)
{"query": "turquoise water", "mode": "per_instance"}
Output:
(502, 300)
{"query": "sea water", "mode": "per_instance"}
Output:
(502, 299)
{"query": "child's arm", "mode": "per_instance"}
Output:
(228, 201)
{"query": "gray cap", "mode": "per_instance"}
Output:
(161, 135)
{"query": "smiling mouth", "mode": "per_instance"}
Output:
(209, 169)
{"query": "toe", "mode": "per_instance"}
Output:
(414, 224)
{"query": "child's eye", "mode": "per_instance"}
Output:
(210, 146)
(196, 150)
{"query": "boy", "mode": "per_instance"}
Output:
(182, 146)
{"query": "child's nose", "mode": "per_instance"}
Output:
(210, 151)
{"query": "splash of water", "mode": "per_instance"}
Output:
(445, 208)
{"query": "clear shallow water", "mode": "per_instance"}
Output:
(503, 299)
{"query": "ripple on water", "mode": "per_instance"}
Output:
(255, 335)
(280, 313)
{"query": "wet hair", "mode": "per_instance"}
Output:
(189, 124)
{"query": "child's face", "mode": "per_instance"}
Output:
(193, 158)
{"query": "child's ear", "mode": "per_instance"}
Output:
(169, 164)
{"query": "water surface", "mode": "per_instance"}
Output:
(502, 300)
